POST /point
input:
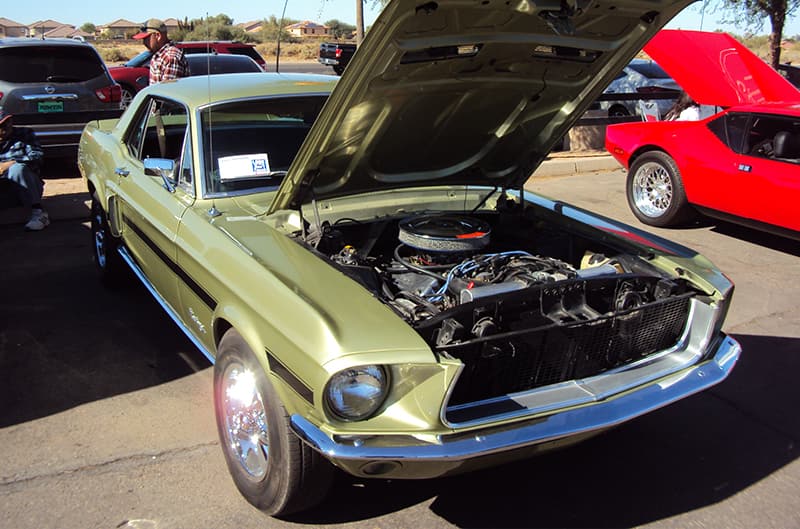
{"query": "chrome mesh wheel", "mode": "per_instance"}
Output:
(245, 421)
(652, 189)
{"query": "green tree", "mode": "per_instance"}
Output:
(272, 26)
(218, 27)
(751, 14)
(88, 27)
(340, 29)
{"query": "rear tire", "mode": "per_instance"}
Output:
(618, 111)
(655, 191)
(338, 69)
(108, 262)
(126, 97)
(272, 468)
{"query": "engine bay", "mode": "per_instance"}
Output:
(428, 265)
(521, 300)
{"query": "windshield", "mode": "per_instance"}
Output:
(650, 70)
(249, 145)
(140, 61)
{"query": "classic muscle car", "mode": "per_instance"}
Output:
(741, 164)
(363, 266)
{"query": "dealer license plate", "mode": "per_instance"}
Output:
(50, 106)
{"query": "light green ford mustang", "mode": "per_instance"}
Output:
(396, 305)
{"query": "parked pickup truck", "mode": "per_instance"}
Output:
(336, 54)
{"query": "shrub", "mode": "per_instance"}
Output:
(112, 55)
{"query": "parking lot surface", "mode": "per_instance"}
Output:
(107, 417)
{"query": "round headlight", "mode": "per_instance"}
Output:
(355, 393)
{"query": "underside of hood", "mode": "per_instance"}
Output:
(466, 92)
(739, 76)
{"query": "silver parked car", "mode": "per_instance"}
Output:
(643, 77)
(56, 86)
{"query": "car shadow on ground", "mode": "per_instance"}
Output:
(65, 340)
(761, 238)
(691, 454)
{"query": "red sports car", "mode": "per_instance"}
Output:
(741, 164)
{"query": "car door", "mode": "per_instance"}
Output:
(770, 169)
(149, 205)
(711, 170)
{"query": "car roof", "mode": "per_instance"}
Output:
(27, 42)
(207, 42)
(194, 91)
(218, 57)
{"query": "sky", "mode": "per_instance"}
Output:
(99, 13)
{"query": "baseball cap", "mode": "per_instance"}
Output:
(153, 25)
(4, 115)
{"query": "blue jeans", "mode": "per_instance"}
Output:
(27, 182)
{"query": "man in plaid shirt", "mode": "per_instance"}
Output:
(167, 61)
(20, 162)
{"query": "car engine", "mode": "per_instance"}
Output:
(522, 302)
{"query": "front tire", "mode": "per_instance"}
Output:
(108, 262)
(655, 191)
(272, 468)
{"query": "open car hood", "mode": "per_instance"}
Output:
(465, 92)
(741, 77)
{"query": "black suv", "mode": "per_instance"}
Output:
(56, 86)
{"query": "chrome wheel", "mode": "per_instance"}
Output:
(99, 239)
(652, 189)
(126, 98)
(245, 420)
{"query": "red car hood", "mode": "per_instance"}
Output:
(740, 76)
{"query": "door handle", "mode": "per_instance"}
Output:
(120, 171)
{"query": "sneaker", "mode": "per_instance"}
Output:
(39, 220)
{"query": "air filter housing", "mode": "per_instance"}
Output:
(444, 233)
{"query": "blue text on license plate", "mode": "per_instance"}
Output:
(50, 106)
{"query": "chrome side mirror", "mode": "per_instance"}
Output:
(162, 167)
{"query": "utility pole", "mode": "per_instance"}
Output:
(359, 22)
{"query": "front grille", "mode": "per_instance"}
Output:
(531, 358)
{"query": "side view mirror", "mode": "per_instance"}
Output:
(163, 167)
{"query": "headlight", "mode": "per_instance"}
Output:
(355, 393)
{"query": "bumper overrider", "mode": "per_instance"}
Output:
(476, 448)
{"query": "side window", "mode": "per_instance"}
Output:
(161, 130)
(730, 129)
(136, 132)
(158, 130)
(774, 137)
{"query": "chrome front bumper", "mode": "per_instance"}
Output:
(453, 450)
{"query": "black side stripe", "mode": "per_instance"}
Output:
(290, 378)
(172, 265)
